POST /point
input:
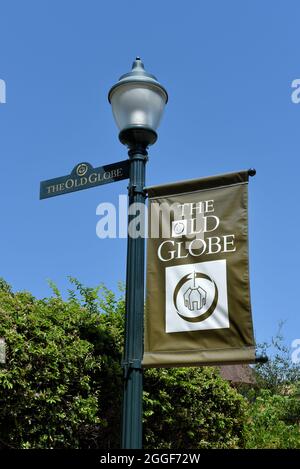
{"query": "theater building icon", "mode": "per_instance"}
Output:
(195, 297)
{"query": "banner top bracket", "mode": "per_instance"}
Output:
(251, 172)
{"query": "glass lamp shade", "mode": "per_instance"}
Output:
(137, 99)
(137, 105)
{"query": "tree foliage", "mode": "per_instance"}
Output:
(62, 383)
(273, 422)
(62, 379)
(192, 408)
(279, 372)
(274, 410)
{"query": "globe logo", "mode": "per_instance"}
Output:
(82, 169)
(195, 297)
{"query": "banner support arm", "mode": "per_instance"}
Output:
(261, 359)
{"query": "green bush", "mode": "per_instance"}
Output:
(274, 410)
(273, 422)
(61, 384)
(192, 408)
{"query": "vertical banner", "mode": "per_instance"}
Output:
(198, 308)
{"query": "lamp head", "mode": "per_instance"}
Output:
(138, 102)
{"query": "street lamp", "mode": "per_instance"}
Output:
(138, 101)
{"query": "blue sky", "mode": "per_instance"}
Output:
(228, 67)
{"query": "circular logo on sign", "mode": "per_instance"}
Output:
(195, 297)
(82, 169)
(179, 228)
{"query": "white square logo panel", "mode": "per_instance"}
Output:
(196, 297)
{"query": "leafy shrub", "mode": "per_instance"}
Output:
(61, 384)
(273, 422)
(274, 412)
(192, 408)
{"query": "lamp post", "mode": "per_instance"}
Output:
(138, 101)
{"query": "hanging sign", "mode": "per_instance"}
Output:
(198, 302)
(84, 176)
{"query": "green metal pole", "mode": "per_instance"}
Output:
(133, 351)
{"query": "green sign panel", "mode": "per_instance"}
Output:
(84, 176)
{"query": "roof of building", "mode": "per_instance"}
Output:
(238, 374)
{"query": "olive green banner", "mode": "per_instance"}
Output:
(198, 308)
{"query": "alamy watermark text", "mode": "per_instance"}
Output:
(2, 91)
